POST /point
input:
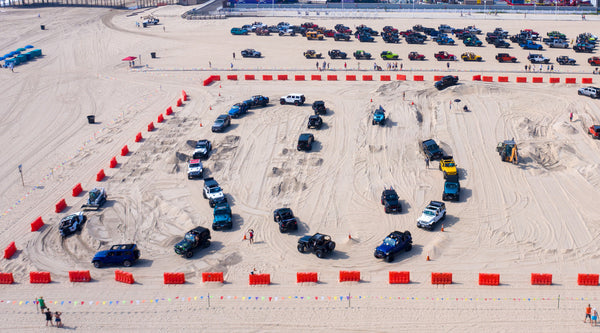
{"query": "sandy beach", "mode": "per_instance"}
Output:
(536, 217)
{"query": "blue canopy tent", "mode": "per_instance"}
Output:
(28, 46)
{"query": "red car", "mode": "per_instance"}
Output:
(329, 33)
(406, 32)
(415, 56)
(443, 55)
(594, 61)
(309, 25)
(594, 131)
(505, 57)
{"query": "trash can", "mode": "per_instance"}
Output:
(144, 24)
(153, 55)
(43, 27)
(91, 119)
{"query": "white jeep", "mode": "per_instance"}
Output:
(195, 169)
(432, 214)
(296, 99)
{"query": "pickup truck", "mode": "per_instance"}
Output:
(558, 43)
(531, 45)
(537, 58)
(432, 214)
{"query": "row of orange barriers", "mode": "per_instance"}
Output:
(37, 224)
(441, 278)
(255, 279)
(39, 277)
(349, 276)
(79, 276)
(302, 277)
(124, 277)
(174, 278)
(535, 79)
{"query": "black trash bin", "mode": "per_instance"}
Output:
(43, 27)
(91, 119)
(153, 55)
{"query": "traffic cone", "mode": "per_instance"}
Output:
(442, 228)
(219, 86)
(349, 236)
(428, 257)
(412, 103)
(371, 100)
(219, 94)
(210, 107)
(244, 237)
(200, 124)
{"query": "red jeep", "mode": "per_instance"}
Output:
(443, 55)
(594, 61)
(594, 131)
(505, 57)
(415, 56)
(329, 33)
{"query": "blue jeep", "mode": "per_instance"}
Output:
(238, 109)
(451, 188)
(222, 216)
(259, 100)
(365, 38)
(120, 254)
(445, 40)
(379, 117)
(395, 242)
(531, 45)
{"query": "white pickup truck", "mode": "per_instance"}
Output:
(432, 214)
(559, 43)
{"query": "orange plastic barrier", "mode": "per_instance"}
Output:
(151, 127)
(255, 279)
(208, 81)
(554, 80)
(489, 279)
(349, 276)
(184, 95)
(77, 190)
(315, 77)
(307, 277)
(216, 77)
(10, 250)
(586, 80)
(124, 277)
(267, 77)
(138, 137)
(232, 77)
(113, 162)
(476, 77)
(6, 278)
(437, 77)
(502, 78)
(399, 277)
(100, 175)
(418, 78)
(248, 77)
(79, 276)
(385, 78)
(367, 77)
(169, 110)
(537, 79)
(282, 77)
(124, 150)
(160, 118)
(212, 277)
(587, 279)
(174, 278)
(400, 77)
(487, 78)
(62, 204)
(331, 77)
(299, 78)
(570, 80)
(179, 102)
(39, 277)
(350, 77)
(37, 224)
(541, 279)
(441, 278)
(521, 79)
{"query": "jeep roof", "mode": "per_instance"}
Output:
(123, 247)
(210, 182)
(304, 136)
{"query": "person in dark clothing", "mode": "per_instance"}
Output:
(48, 317)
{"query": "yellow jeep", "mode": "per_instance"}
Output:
(470, 56)
(312, 35)
(447, 166)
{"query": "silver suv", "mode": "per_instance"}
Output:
(296, 99)
(592, 92)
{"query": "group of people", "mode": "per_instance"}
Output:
(530, 68)
(49, 314)
(592, 314)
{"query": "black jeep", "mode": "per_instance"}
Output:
(318, 243)
(286, 219)
(319, 107)
(389, 199)
(315, 121)
(305, 141)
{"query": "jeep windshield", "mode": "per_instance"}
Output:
(194, 165)
(389, 241)
(429, 212)
(201, 145)
(286, 215)
(219, 122)
(451, 164)
(215, 189)
(391, 197)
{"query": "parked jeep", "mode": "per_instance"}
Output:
(537, 58)
(432, 214)
(415, 56)
(505, 57)
(312, 54)
(296, 99)
(121, 254)
(250, 53)
(360, 54)
(337, 54)
(451, 188)
(222, 218)
(565, 60)
(341, 36)
(319, 107)
(195, 169)
(305, 142)
(71, 224)
(395, 242)
(315, 121)
(319, 244)
(286, 219)
(197, 237)
(238, 109)
(388, 55)
(389, 200)
(431, 149)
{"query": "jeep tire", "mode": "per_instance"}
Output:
(281, 229)
(127, 263)
(390, 257)
(408, 247)
(206, 244)
(320, 254)
(296, 103)
(189, 254)
(301, 248)
(331, 246)
(97, 264)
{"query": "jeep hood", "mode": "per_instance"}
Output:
(195, 169)
(304, 239)
(100, 254)
(450, 190)
(384, 248)
(426, 218)
(183, 246)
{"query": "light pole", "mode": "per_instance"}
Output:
(484, 9)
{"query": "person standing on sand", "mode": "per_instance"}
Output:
(48, 317)
(251, 236)
(571, 117)
(594, 317)
(427, 162)
(57, 319)
(41, 303)
(588, 313)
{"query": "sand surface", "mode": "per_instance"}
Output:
(536, 217)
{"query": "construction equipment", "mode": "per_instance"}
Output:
(508, 151)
